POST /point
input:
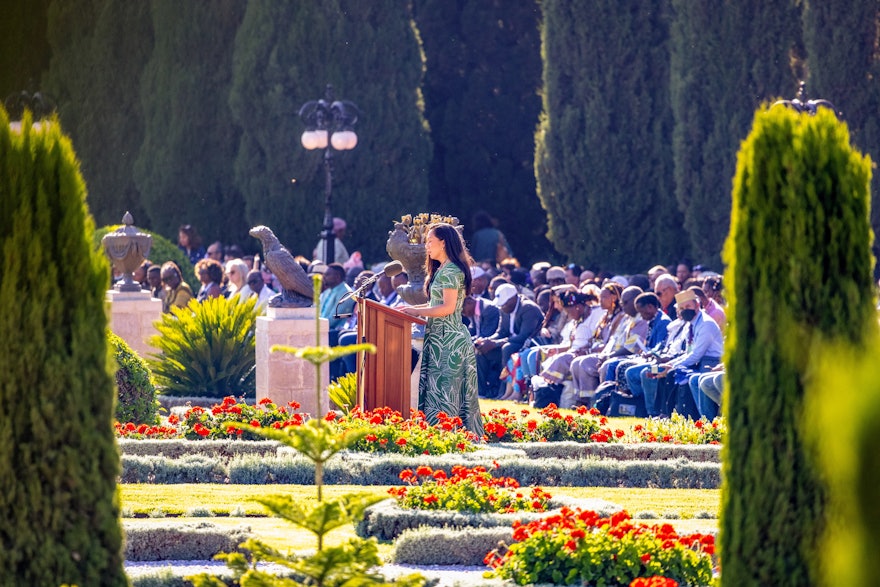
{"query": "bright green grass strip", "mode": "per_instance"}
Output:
(178, 499)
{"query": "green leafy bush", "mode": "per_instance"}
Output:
(343, 392)
(183, 542)
(161, 251)
(136, 395)
(207, 349)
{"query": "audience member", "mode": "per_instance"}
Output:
(520, 322)
(666, 286)
(258, 287)
(629, 337)
(487, 244)
(236, 272)
(705, 346)
(340, 253)
(555, 276)
(189, 241)
(710, 307)
(210, 274)
(573, 274)
(334, 309)
(215, 251)
(177, 291)
(154, 279)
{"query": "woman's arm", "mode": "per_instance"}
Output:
(445, 308)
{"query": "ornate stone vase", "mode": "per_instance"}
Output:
(412, 257)
(127, 248)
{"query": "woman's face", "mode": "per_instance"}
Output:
(182, 239)
(435, 248)
(203, 276)
(606, 299)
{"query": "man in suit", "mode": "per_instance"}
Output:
(520, 321)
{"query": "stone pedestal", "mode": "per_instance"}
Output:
(132, 314)
(280, 376)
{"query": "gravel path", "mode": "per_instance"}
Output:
(448, 576)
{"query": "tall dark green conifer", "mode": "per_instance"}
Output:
(285, 54)
(726, 59)
(100, 48)
(603, 163)
(481, 99)
(842, 40)
(799, 274)
(184, 169)
(24, 49)
(58, 456)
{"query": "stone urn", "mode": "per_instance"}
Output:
(412, 257)
(127, 248)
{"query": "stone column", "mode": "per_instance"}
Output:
(132, 314)
(280, 376)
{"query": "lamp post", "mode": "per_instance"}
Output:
(329, 125)
(801, 104)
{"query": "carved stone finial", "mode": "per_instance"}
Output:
(127, 248)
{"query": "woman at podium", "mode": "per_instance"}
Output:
(448, 378)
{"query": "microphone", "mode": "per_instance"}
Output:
(391, 269)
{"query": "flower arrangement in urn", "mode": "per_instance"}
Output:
(406, 243)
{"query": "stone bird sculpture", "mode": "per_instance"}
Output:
(296, 285)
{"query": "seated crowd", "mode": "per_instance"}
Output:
(646, 344)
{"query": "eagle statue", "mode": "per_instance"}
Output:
(296, 285)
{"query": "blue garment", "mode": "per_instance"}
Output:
(657, 331)
(329, 300)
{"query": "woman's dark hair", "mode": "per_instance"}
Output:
(456, 252)
(482, 220)
(195, 241)
(214, 269)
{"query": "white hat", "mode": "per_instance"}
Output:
(555, 272)
(503, 293)
(477, 272)
(623, 281)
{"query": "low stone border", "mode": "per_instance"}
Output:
(386, 520)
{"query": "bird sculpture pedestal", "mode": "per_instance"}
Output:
(281, 377)
(132, 318)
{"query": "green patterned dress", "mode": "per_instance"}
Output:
(448, 379)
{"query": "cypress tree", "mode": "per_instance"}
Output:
(24, 49)
(184, 168)
(602, 159)
(799, 273)
(285, 54)
(726, 59)
(842, 40)
(58, 459)
(481, 100)
(100, 49)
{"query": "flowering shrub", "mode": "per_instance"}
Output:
(579, 547)
(587, 425)
(655, 581)
(549, 425)
(680, 430)
(466, 490)
(387, 430)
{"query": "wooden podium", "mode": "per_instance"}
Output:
(384, 377)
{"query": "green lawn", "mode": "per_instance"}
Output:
(222, 499)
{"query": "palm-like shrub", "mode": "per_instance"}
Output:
(207, 349)
(135, 393)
